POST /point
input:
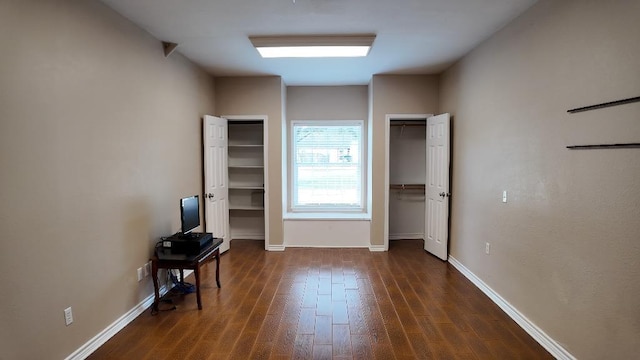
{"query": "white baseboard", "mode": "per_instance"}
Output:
(92, 345)
(327, 246)
(376, 248)
(406, 236)
(276, 248)
(246, 236)
(536, 333)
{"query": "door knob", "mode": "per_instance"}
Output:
(443, 194)
(209, 195)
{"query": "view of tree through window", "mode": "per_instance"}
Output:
(326, 165)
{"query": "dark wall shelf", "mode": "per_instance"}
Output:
(604, 105)
(605, 146)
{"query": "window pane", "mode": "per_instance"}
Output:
(327, 166)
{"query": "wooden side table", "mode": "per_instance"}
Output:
(164, 259)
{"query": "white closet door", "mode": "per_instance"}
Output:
(437, 186)
(215, 177)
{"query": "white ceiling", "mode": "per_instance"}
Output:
(413, 36)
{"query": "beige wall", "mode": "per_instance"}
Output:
(327, 102)
(565, 249)
(394, 94)
(260, 96)
(100, 135)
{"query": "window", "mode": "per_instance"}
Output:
(327, 172)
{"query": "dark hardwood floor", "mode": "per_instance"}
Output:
(327, 304)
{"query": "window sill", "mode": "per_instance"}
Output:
(326, 216)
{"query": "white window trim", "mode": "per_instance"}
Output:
(316, 212)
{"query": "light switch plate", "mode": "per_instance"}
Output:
(146, 269)
(68, 316)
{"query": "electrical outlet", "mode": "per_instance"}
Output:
(487, 248)
(504, 196)
(139, 274)
(147, 269)
(68, 316)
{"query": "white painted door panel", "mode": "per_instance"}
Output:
(437, 187)
(215, 170)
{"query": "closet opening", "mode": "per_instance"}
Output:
(247, 174)
(407, 177)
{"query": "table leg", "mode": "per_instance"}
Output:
(218, 268)
(196, 272)
(156, 289)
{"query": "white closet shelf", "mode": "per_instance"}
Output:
(240, 207)
(246, 166)
(246, 145)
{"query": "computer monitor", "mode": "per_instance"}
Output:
(189, 213)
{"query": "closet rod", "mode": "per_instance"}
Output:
(407, 186)
(393, 123)
(245, 122)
